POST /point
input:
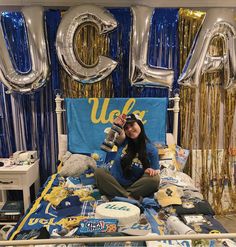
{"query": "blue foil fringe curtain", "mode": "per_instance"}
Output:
(28, 121)
(163, 50)
(119, 51)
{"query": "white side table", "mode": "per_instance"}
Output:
(19, 178)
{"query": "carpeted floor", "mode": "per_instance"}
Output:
(228, 221)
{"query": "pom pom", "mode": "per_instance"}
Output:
(95, 156)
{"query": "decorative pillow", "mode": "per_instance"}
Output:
(181, 157)
(173, 157)
(176, 178)
(170, 164)
(168, 157)
(75, 164)
(168, 152)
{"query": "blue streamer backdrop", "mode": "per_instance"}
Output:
(28, 121)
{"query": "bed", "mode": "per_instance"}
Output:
(54, 219)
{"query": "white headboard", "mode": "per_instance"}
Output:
(62, 143)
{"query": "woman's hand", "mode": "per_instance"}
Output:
(120, 120)
(151, 172)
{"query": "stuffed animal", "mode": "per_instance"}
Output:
(75, 164)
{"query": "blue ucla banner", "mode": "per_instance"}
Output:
(88, 118)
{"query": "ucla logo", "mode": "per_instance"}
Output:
(117, 207)
(108, 117)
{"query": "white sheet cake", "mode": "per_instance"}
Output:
(125, 213)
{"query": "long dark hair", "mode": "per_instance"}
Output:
(135, 147)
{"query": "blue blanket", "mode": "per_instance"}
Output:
(88, 118)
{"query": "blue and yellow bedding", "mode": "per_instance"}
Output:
(65, 205)
(46, 213)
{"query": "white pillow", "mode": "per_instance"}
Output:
(170, 139)
(62, 146)
(75, 164)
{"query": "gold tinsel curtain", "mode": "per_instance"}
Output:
(88, 45)
(207, 117)
(189, 23)
(202, 127)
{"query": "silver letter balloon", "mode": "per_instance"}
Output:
(38, 75)
(140, 73)
(218, 22)
(73, 18)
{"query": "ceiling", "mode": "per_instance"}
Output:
(119, 3)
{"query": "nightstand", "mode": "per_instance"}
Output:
(19, 178)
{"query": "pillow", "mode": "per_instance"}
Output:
(181, 157)
(168, 157)
(170, 139)
(75, 164)
(177, 178)
(170, 164)
(167, 152)
(62, 146)
(173, 157)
